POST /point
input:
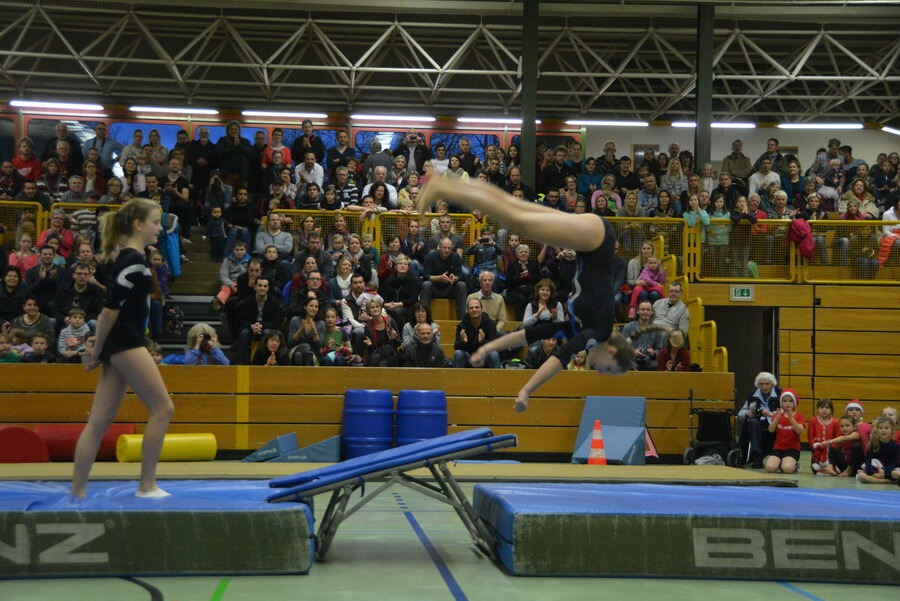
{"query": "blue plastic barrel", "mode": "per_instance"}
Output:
(368, 422)
(421, 414)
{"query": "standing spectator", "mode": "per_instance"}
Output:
(822, 427)
(235, 156)
(63, 135)
(339, 155)
(762, 180)
(554, 176)
(754, 417)
(777, 161)
(626, 179)
(307, 142)
(286, 157)
(203, 158)
(674, 181)
(414, 152)
(104, 146)
(736, 163)
(474, 330)
(468, 160)
(848, 162)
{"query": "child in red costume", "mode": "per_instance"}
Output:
(823, 427)
(787, 424)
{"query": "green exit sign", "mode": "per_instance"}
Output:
(742, 294)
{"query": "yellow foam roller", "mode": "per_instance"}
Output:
(176, 447)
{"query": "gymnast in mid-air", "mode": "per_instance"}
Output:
(591, 306)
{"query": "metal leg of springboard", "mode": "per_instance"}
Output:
(333, 517)
(483, 538)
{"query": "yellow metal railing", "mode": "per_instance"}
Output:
(861, 252)
(13, 214)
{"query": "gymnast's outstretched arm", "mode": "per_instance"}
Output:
(582, 232)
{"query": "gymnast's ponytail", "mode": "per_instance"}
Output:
(116, 225)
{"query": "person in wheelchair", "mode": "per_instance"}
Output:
(754, 417)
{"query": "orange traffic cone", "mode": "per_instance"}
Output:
(597, 455)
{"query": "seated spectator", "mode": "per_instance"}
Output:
(729, 191)
(335, 343)
(754, 417)
(474, 330)
(271, 350)
(32, 321)
(401, 290)
(7, 354)
(70, 346)
(881, 464)
(671, 312)
(606, 200)
(362, 264)
(40, 351)
(231, 269)
(578, 362)
(673, 356)
(24, 256)
(646, 340)
(632, 232)
(313, 287)
(19, 342)
(648, 285)
(241, 220)
(386, 260)
(859, 191)
(12, 294)
(274, 268)
(203, 347)
(256, 314)
(273, 235)
(43, 279)
(492, 303)
(539, 352)
(306, 332)
(78, 291)
(419, 313)
(381, 338)
(787, 425)
(521, 276)
(424, 350)
(543, 306)
(443, 276)
(486, 252)
(339, 285)
(316, 249)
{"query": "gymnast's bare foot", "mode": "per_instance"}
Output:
(521, 404)
(477, 358)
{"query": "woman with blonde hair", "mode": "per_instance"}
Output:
(203, 347)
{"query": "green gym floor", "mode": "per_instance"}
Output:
(423, 552)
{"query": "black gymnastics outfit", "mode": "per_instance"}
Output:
(128, 293)
(592, 305)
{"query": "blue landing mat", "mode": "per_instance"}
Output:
(694, 531)
(205, 526)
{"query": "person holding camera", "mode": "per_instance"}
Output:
(487, 255)
(754, 418)
(203, 347)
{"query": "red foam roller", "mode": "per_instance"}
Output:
(21, 445)
(62, 438)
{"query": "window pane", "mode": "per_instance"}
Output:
(451, 141)
(8, 139)
(123, 132)
(217, 131)
(388, 139)
(44, 130)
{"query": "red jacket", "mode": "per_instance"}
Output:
(29, 168)
(801, 234)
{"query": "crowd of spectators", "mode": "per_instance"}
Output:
(313, 293)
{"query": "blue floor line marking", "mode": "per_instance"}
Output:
(800, 591)
(436, 558)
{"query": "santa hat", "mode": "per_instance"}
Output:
(788, 392)
(854, 404)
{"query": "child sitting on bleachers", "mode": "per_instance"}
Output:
(7, 355)
(70, 345)
(19, 340)
(231, 269)
(648, 286)
(40, 352)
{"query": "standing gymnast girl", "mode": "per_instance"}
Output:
(591, 306)
(120, 345)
